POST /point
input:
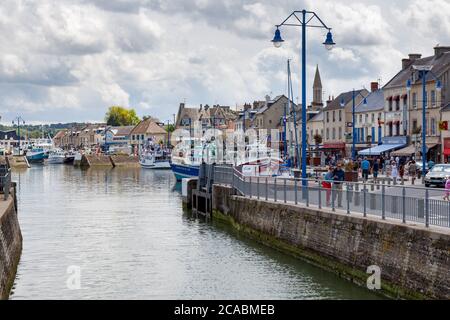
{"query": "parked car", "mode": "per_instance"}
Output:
(438, 175)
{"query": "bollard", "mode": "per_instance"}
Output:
(332, 199)
(284, 191)
(307, 194)
(250, 186)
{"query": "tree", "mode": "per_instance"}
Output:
(119, 116)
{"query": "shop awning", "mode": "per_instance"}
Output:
(446, 152)
(405, 152)
(376, 151)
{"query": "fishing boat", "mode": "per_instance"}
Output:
(36, 155)
(155, 158)
(70, 157)
(56, 156)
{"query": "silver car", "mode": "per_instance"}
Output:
(438, 175)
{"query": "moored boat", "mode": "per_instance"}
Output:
(56, 156)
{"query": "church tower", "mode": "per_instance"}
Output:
(317, 103)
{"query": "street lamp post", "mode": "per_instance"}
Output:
(424, 71)
(303, 22)
(17, 122)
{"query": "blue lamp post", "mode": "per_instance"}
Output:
(424, 71)
(305, 20)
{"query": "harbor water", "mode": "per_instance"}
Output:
(124, 235)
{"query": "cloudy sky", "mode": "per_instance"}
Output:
(68, 60)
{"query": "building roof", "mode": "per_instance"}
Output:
(60, 134)
(440, 65)
(122, 131)
(446, 108)
(148, 127)
(317, 118)
(375, 102)
(346, 97)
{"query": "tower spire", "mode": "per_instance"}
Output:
(317, 103)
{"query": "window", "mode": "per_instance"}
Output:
(433, 98)
(328, 117)
(397, 104)
(334, 116)
(142, 137)
(133, 137)
(390, 104)
(340, 115)
(414, 100)
(340, 133)
(360, 119)
(367, 118)
(328, 133)
(373, 118)
(433, 127)
(334, 134)
(405, 103)
(312, 133)
(414, 126)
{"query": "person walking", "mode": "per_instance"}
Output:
(401, 173)
(365, 166)
(394, 172)
(338, 181)
(412, 171)
(375, 169)
(327, 184)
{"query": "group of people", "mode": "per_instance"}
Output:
(395, 168)
(334, 179)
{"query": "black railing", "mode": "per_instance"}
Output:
(402, 203)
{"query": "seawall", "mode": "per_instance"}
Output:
(17, 162)
(10, 243)
(414, 261)
(102, 161)
(125, 161)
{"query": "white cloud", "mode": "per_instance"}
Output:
(70, 59)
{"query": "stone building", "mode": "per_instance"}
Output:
(145, 131)
(404, 109)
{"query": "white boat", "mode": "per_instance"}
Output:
(56, 156)
(154, 157)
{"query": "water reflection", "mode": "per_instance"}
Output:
(126, 229)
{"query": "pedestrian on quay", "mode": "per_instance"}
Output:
(401, 173)
(394, 172)
(447, 189)
(375, 169)
(338, 180)
(365, 166)
(412, 171)
(327, 184)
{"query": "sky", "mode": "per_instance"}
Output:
(69, 60)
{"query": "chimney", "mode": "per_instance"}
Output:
(201, 106)
(374, 86)
(182, 105)
(414, 56)
(267, 100)
(405, 63)
(439, 51)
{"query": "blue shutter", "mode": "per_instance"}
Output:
(373, 134)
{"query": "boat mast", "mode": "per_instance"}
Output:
(294, 114)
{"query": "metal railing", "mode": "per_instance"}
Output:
(404, 203)
(5, 182)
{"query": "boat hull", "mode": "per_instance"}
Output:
(36, 157)
(182, 171)
(56, 160)
(158, 165)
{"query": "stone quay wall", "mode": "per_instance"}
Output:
(414, 261)
(10, 243)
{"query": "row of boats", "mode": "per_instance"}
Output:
(184, 161)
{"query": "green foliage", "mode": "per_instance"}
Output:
(118, 116)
